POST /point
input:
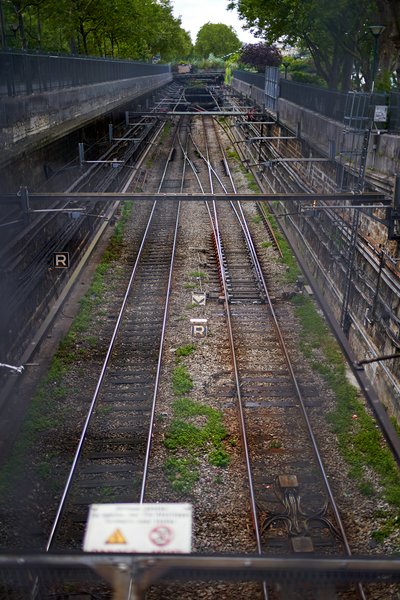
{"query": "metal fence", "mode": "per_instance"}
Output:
(271, 88)
(326, 102)
(330, 103)
(256, 79)
(24, 73)
(394, 112)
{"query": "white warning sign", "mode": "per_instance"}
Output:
(139, 528)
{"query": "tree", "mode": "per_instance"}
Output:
(217, 39)
(260, 56)
(137, 29)
(389, 16)
(330, 31)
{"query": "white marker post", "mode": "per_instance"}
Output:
(199, 298)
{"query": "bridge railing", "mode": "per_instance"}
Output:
(25, 73)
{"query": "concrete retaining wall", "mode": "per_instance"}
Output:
(41, 118)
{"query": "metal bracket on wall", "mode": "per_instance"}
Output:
(393, 223)
(393, 213)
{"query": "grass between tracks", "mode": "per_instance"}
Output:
(47, 411)
(196, 429)
(361, 443)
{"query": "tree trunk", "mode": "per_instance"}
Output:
(21, 28)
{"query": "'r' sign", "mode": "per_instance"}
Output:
(61, 260)
(199, 327)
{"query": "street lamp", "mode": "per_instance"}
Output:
(376, 31)
(285, 66)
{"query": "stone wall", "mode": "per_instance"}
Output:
(323, 241)
(383, 161)
(38, 119)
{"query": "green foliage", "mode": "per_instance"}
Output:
(334, 33)
(185, 350)
(302, 70)
(293, 270)
(181, 381)
(182, 473)
(218, 458)
(198, 274)
(137, 29)
(275, 444)
(211, 62)
(391, 523)
(251, 182)
(197, 426)
(217, 39)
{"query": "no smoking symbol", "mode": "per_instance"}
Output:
(161, 535)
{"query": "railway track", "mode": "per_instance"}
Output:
(281, 502)
(112, 461)
(301, 512)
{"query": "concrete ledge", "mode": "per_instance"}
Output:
(26, 121)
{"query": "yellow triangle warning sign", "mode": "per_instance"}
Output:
(116, 538)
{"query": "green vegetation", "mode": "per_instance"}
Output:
(183, 433)
(390, 523)
(293, 270)
(195, 429)
(185, 350)
(199, 275)
(92, 299)
(251, 182)
(135, 29)
(182, 473)
(196, 279)
(340, 55)
(275, 444)
(217, 39)
(181, 381)
(360, 441)
(166, 130)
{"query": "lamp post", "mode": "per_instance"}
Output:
(286, 66)
(376, 31)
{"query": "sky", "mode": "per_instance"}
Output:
(195, 13)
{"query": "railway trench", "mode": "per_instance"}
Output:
(218, 492)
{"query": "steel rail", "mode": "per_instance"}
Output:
(67, 487)
(305, 415)
(164, 324)
(97, 390)
(242, 421)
